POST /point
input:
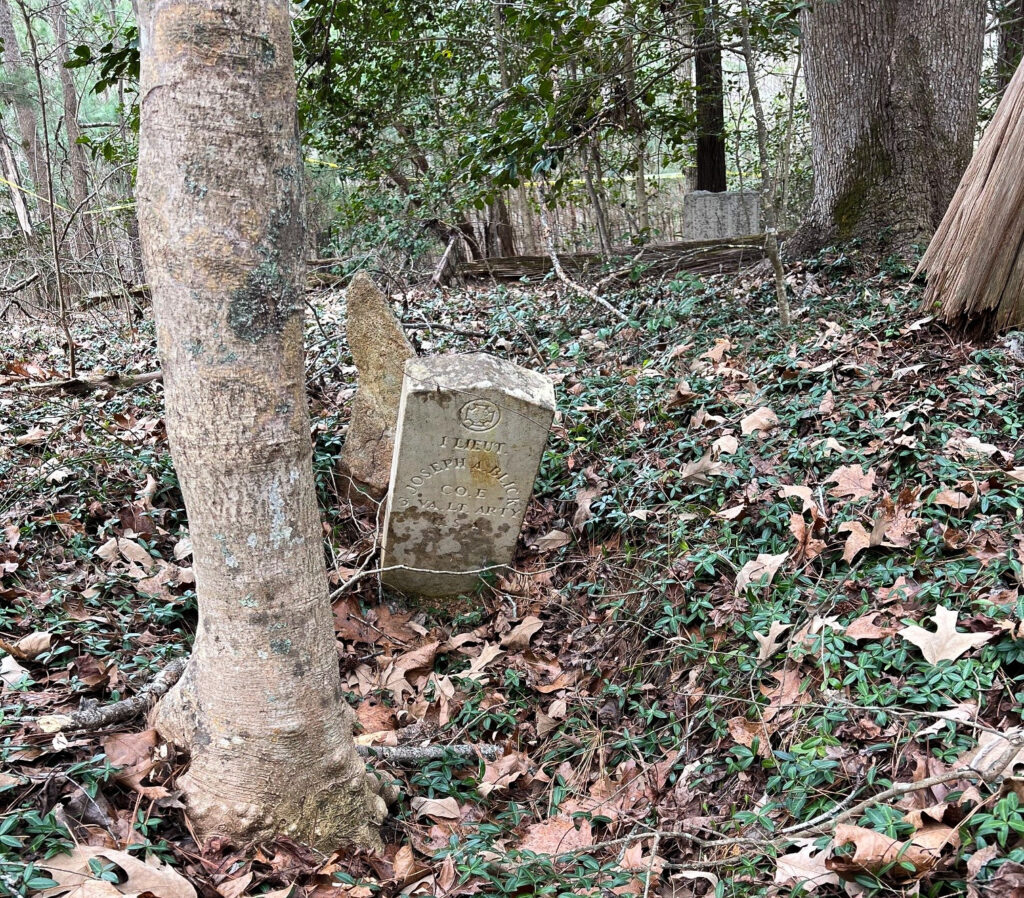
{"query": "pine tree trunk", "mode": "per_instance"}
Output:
(260, 706)
(710, 102)
(892, 91)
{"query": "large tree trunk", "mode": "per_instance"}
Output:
(260, 707)
(892, 91)
(710, 102)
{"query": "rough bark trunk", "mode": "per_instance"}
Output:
(892, 91)
(710, 103)
(28, 123)
(260, 706)
(76, 152)
(1011, 41)
(500, 233)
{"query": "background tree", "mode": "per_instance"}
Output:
(1010, 19)
(710, 102)
(260, 706)
(892, 90)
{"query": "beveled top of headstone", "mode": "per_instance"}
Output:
(471, 432)
(476, 371)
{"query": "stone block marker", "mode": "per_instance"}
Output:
(719, 216)
(380, 349)
(471, 432)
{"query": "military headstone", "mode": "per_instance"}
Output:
(380, 349)
(719, 216)
(471, 432)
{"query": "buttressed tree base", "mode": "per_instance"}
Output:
(260, 706)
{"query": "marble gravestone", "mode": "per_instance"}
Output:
(719, 216)
(471, 432)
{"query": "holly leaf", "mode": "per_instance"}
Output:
(945, 643)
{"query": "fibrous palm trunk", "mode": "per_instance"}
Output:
(260, 706)
(975, 262)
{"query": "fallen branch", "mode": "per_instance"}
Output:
(96, 718)
(564, 278)
(411, 755)
(90, 383)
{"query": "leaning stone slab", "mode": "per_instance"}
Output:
(380, 349)
(719, 216)
(471, 432)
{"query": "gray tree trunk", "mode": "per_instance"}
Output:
(260, 706)
(76, 152)
(28, 122)
(892, 91)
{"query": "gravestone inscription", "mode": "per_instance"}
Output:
(471, 432)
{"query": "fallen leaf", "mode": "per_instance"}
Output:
(32, 437)
(11, 672)
(698, 471)
(584, 499)
(153, 877)
(858, 540)
(726, 444)
(744, 732)
(852, 481)
(952, 499)
(756, 570)
(805, 868)
(945, 643)
(488, 654)
(553, 539)
(804, 493)
(438, 808)
(519, 637)
(864, 627)
(31, 646)
(235, 888)
(557, 835)
(875, 851)
(762, 419)
(681, 395)
(771, 643)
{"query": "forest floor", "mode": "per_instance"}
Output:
(766, 606)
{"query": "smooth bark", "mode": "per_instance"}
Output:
(260, 706)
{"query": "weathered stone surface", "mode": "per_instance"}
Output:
(718, 216)
(380, 350)
(471, 432)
